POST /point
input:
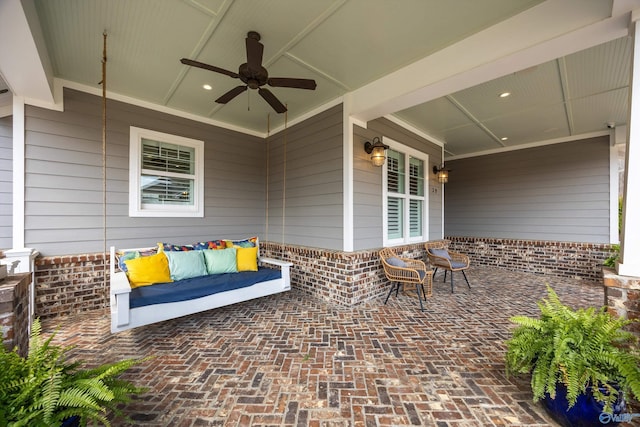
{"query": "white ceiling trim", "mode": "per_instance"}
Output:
(318, 71)
(208, 33)
(475, 120)
(566, 96)
(307, 115)
(511, 45)
(413, 129)
(530, 145)
(305, 31)
(155, 107)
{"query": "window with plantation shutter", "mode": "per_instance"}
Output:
(405, 199)
(166, 175)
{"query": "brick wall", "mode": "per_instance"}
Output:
(73, 284)
(623, 297)
(563, 259)
(70, 284)
(14, 312)
(343, 278)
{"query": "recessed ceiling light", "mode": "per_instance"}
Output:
(207, 87)
(504, 138)
(505, 94)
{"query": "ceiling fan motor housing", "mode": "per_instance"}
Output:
(252, 78)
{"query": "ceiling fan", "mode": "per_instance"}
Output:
(254, 75)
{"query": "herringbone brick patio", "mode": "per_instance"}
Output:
(291, 360)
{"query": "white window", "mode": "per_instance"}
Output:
(166, 175)
(405, 199)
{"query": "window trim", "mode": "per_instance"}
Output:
(136, 209)
(406, 239)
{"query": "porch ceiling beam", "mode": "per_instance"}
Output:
(512, 45)
(24, 62)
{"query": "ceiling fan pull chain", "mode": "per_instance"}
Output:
(248, 101)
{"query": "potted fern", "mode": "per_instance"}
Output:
(582, 362)
(44, 389)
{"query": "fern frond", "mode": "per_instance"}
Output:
(579, 348)
(44, 388)
(51, 394)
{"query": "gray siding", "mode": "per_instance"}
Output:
(557, 192)
(368, 183)
(6, 182)
(313, 189)
(64, 200)
(367, 194)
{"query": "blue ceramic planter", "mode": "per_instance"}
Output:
(587, 412)
(71, 422)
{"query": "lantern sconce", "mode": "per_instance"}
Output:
(376, 149)
(441, 173)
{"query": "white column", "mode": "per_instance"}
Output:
(18, 171)
(630, 240)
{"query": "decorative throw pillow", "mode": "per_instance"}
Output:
(443, 253)
(200, 246)
(147, 270)
(170, 247)
(124, 256)
(211, 244)
(251, 242)
(186, 264)
(247, 259)
(221, 260)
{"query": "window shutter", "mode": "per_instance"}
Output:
(395, 211)
(416, 177)
(415, 217)
(395, 171)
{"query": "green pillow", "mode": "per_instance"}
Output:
(221, 260)
(184, 265)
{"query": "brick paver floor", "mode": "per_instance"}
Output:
(292, 360)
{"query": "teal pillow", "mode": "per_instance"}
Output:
(187, 264)
(221, 260)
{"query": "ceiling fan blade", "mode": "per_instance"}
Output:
(254, 53)
(294, 83)
(272, 100)
(231, 94)
(213, 68)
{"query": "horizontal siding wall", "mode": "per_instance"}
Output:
(557, 192)
(64, 199)
(368, 185)
(367, 194)
(6, 182)
(305, 168)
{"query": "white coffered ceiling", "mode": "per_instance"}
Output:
(437, 66)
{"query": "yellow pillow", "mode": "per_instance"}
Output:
(147, 270)
(247, 259)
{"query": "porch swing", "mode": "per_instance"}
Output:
(134, 306)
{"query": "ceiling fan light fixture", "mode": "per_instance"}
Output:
(207, 87)
(505, 94)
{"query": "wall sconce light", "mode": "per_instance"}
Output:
(441, 173)
(376, 149)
